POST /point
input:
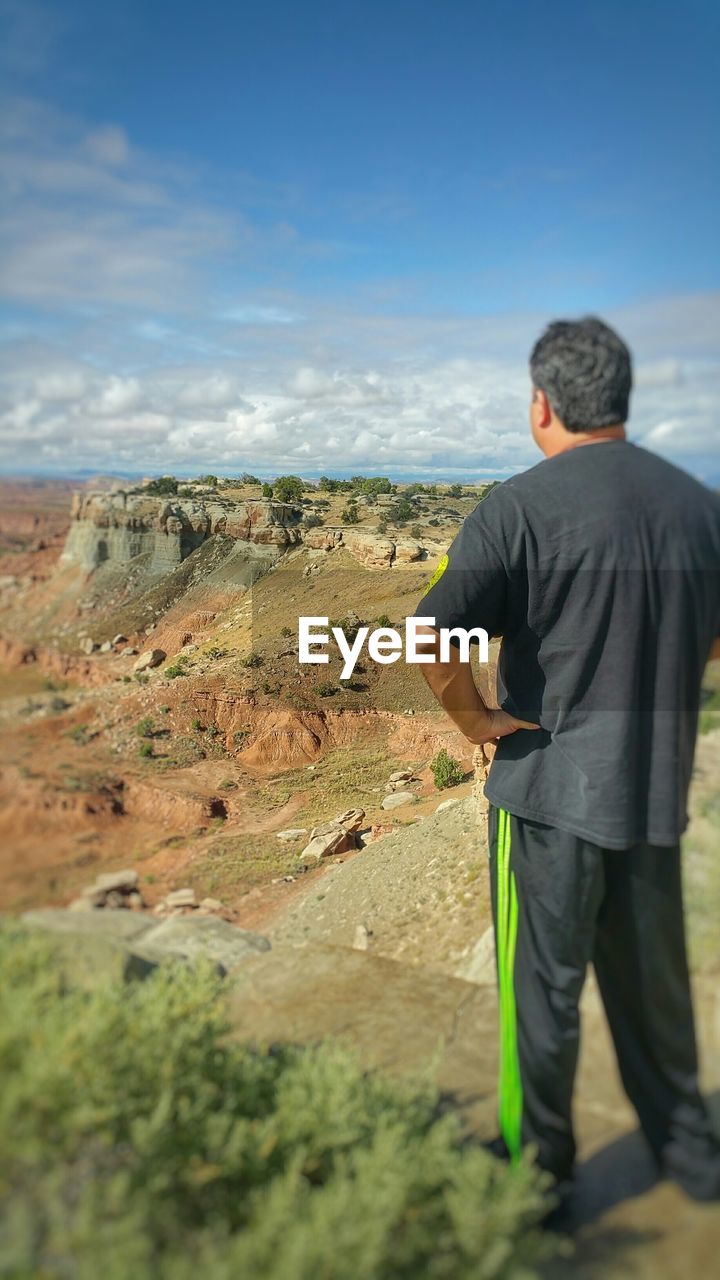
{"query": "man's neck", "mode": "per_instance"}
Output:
(573, 439)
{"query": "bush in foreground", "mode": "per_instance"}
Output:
(446, 770)
(137, 1141)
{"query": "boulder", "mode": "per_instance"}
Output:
(180, 898)
(447, 804)
(322, 539)
(119, 639)
(106, 646)
(401, 775)
(406, 552)
(195, 937)
(108, 881)
(292, 833)
(88, 645)
(335, 841)
(126, 944)
(349, 821)
(150, 658)
(372, 550)
(121, 926)
(361, 937)
(398, 798)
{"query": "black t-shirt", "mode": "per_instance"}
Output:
(600, 568)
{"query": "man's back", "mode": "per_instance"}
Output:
(600, 568)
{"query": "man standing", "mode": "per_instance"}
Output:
(600, 569)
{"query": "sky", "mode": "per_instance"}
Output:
(321, 236)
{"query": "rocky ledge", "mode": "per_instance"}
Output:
(121, 525)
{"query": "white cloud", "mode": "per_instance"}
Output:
(157, 354)
(459, 416)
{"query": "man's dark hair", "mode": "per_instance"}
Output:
(585, 370)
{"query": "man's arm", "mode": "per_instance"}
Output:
(715, 651)
(453, 685)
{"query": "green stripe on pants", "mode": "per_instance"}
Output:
(510, 1085)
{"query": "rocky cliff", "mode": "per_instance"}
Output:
(121, 525)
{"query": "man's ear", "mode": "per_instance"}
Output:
(543, 408)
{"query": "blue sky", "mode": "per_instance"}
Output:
(322, 236)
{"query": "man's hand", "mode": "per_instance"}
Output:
(496, 723)
(454, 687)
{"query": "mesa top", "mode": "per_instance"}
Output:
(600, 568)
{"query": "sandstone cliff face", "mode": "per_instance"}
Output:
(119, 526)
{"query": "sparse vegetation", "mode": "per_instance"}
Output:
(288, 488)
(145, 728)
(446, 770)
(350, 514)
(326, 689)
(80, 734)
(135, 1117)
(175, 669)
(252, 660)
(145, 750)
(402, 511)
(162, 486)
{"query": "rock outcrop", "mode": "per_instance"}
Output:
(121, 525)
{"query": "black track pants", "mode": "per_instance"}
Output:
(560, 902)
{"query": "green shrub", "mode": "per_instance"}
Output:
(416, 531)
(446, 770)
(288, 488)
(80, 734)
(145, 749)
(196, 723)
(139, 1140)
(382, 620)
(286, 632)
(145, 727)
(163, 486)
(174, 670)
(326, 688)
(349, 514)
(402, 511)
(252, 660)
(313, 521)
